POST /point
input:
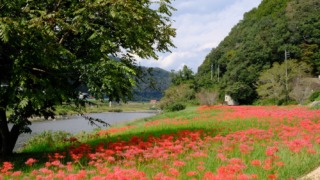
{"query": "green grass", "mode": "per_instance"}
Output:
(191, 119)
(98, 106)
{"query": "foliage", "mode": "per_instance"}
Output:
(182, 90)
(49, 49)
(241, 92)
(183, 93)
(183, 76)
(259, 40)
(115, 110)
(315, 96)
(175, 107)
(282, 80)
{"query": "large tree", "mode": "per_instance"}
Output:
(278, 82)
(50, 48)
(183, 76)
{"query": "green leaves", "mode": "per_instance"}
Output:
(51, 49)
(23, 103)
(279, 81)
(4, 31)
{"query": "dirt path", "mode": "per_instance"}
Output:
(313, 175)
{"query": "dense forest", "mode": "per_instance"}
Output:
(260, 41)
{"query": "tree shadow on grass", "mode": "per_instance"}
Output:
(19, 159)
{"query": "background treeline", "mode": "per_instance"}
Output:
(272, 56)
(256, 46)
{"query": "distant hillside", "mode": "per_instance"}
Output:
(261, 39)
(152, 85)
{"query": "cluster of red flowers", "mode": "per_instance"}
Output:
(246, 153)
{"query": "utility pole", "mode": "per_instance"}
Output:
(218, 72)
(286, 55)
(211, 71)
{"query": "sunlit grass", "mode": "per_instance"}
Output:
(98, 106)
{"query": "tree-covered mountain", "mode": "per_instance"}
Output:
(152, 84)
(260, 40)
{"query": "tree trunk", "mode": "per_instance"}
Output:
(8, 138)
(4, 133)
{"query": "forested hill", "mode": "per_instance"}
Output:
(261, 39)
(152, 85)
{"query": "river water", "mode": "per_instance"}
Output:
(77, 124)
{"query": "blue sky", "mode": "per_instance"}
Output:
(201, 25)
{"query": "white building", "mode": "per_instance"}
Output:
(229, 101)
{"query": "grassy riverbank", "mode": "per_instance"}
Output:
(219, 142)
(97, 106)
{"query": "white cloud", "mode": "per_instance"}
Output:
(201, 25)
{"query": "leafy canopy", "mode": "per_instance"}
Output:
(279, 81)
(48, 49)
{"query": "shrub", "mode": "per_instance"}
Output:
(115, 110)
(314, 96)
(175, 107)
(183, 94)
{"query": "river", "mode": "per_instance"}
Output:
(77, 124)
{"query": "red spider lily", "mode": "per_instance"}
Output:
(31, 161)
(279, 163)
(179, 163)
(271, 150)
(174, 172)
(6, 167)
(16, 173)
(191, 173)
(272, 176)
(256, 162)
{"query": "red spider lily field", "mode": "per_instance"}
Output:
(218, 142)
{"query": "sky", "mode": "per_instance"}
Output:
(200, 26)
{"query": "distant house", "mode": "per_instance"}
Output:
(229, 101)
(153, 103)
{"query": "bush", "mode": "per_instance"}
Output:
(183, 94)
(265, 102)
(115, 110)
(175, 107)
(314, 96)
